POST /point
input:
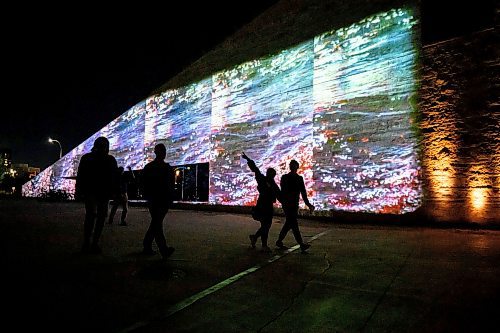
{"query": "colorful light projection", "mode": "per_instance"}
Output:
(340, 104)
(180, 119)
(263, 108)
(365, 156)
(126, 139)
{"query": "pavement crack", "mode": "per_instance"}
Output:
(328, 266)
(379, 301)
(298, 294)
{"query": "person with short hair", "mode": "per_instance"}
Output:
(292, 187)
(263, 210)
(157, 177)
(95, 181)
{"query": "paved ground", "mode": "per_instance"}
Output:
(355, 278)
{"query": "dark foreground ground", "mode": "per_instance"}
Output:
(354, 278)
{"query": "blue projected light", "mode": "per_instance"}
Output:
(180, 119)
(339, 104)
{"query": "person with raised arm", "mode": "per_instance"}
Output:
(264, 210)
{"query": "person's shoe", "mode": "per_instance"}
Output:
(123, 223)
(280, 245)
(168, 252)
(253, 240)
(266, 249)
(304, 247)
(148, 252)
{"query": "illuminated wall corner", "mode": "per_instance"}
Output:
(459, 103)
(263, 108)
(440, 149)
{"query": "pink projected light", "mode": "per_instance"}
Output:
(340, 104)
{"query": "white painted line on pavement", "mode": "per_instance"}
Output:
(190, 300)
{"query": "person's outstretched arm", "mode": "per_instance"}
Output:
(277, 191)
(131, 172)
(303, 192)
(251, 165)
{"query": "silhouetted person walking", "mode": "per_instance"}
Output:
(157, 183)
(268, 193)
(94, 184)
(292, 186)
(121, 195)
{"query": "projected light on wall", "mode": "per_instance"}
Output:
(364, 144)
(340, 104)
(264, 108)
(180, 119)
(126, 144)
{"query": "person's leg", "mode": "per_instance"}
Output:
(88, 225)
(112, 213)
(125, 209)
(159, 235)
(291, 220)
(149, 236)
(259, 231)
(264, 229)
(102, 212)
(294, 225)
(289, 216)
(283, 232)
(253, 238)
(296, 232)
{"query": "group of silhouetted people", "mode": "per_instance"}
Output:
(99, 179)
(292, 187)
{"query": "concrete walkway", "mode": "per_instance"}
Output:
(354, 278)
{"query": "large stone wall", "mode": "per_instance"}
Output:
(458, 100)
(460, 109)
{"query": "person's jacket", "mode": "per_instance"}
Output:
(292, 186)
(96, 176)
(157, 182)
(268, 190)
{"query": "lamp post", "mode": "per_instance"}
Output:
(60, 148)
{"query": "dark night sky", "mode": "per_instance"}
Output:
(70, 71)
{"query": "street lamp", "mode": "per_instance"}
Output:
(60, 148)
